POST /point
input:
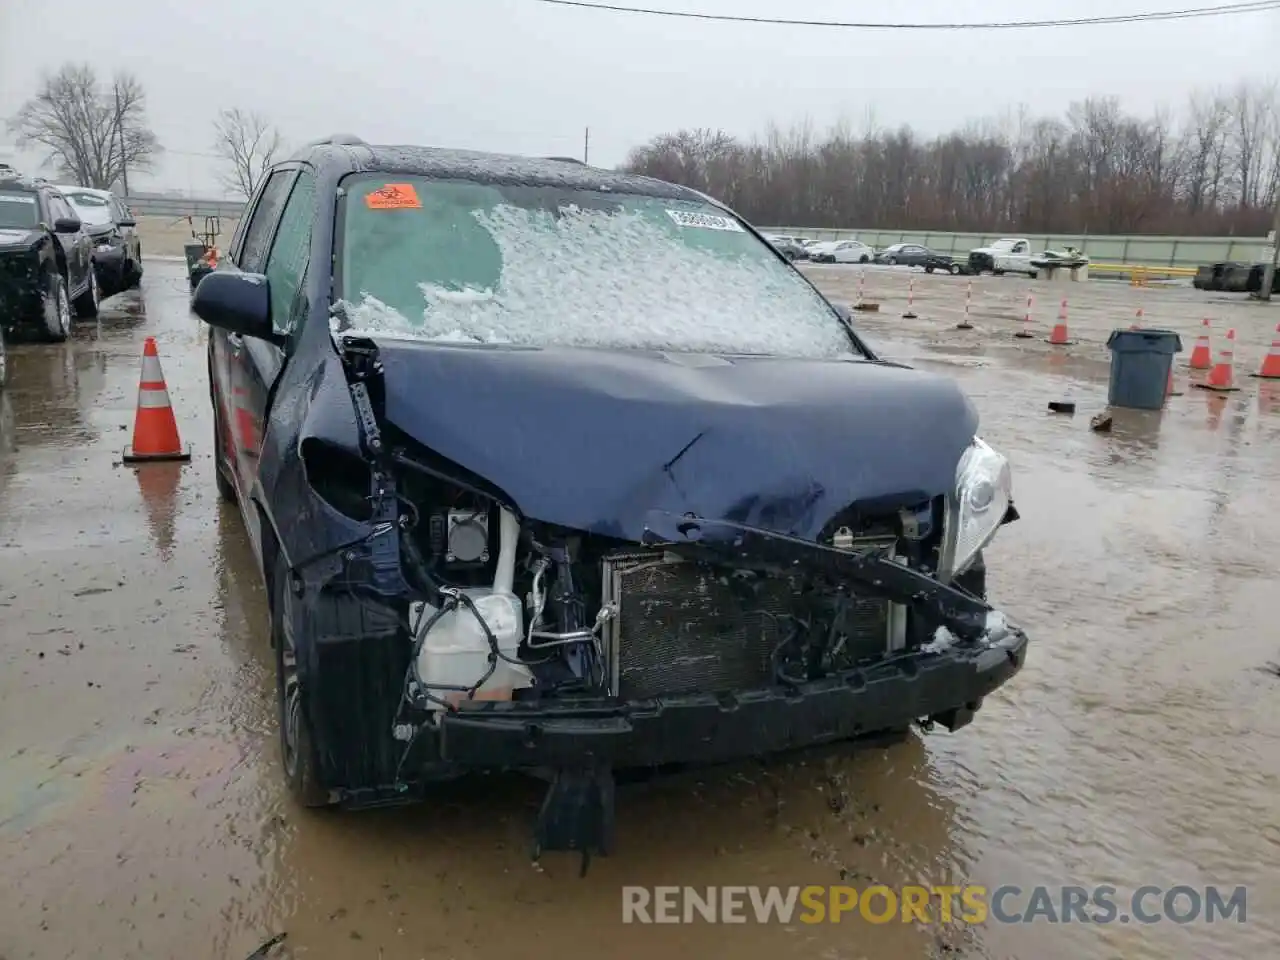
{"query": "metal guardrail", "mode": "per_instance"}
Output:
(184, 207)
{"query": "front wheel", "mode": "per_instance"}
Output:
(955, 269)
(892, 261)
(56, 308)
(997, 273)
(297, 749)
(87, 303)
(864, 259)
(132, 273)
(928, 268)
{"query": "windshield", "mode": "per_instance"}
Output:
(452, 260)
(18, 210)
(93, 209)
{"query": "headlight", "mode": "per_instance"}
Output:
(984, 491)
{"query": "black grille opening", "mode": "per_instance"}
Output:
(684, 627)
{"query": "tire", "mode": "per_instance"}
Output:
(56, 309)
(226, 489)
(997, 273)
(864, 259)
(954, 269)
(1032, 275)
(86, 305)
(132, 274)
(892, 261)
(298, 757)
(928, 268)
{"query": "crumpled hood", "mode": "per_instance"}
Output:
(10, 237)
(593, 440)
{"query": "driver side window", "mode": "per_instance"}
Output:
(291, 252)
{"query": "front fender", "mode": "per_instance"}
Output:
(310, 400)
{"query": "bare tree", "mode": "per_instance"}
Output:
(247, 144)
(93, 135)
(1254, 109)
(1099, 168)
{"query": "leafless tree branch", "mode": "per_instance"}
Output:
(90, 134)
(247, 145)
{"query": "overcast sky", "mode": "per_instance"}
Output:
(521, 76)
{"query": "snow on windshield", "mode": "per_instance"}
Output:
(614, 280)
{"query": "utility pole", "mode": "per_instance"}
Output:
(586, 145)
(1269, 274)
(124, 166)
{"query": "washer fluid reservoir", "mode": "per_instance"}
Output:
(455, 650)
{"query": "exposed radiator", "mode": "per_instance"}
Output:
(682, 628)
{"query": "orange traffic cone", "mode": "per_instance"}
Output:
(1201, 355)
(1059, 336)
(1222, 376)
(1270, 369)
(155, 431)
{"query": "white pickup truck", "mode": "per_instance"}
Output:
(1009, 255)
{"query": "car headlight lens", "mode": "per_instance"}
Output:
(983, 494)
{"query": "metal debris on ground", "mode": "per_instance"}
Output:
(1101, 423)
(264, 951)
(1062, 406)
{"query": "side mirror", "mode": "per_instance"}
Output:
(129, 222)
(66, 225)
(236, 302)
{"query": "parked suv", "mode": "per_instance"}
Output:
(522, 503)
(117, 249)
(46, 261)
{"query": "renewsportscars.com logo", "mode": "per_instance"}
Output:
(970, 904)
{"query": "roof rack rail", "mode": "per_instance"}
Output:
(338, 140)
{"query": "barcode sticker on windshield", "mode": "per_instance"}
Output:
(29, 201)
(707, 221)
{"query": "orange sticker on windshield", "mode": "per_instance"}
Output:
(394, 196)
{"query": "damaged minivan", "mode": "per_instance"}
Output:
(566, 471)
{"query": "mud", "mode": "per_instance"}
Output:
(143, 814)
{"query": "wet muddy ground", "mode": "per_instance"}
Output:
(142, 814)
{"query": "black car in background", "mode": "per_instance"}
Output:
(498, 534)
(1234, 278)
(943, 262)
(46, 261)
(117, 248)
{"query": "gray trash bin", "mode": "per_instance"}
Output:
(1141, 361)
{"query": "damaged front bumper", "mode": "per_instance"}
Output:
(975, 650)
(944, 685)
(584, 742)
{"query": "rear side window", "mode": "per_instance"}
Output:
(257, 239)
(291, 251)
